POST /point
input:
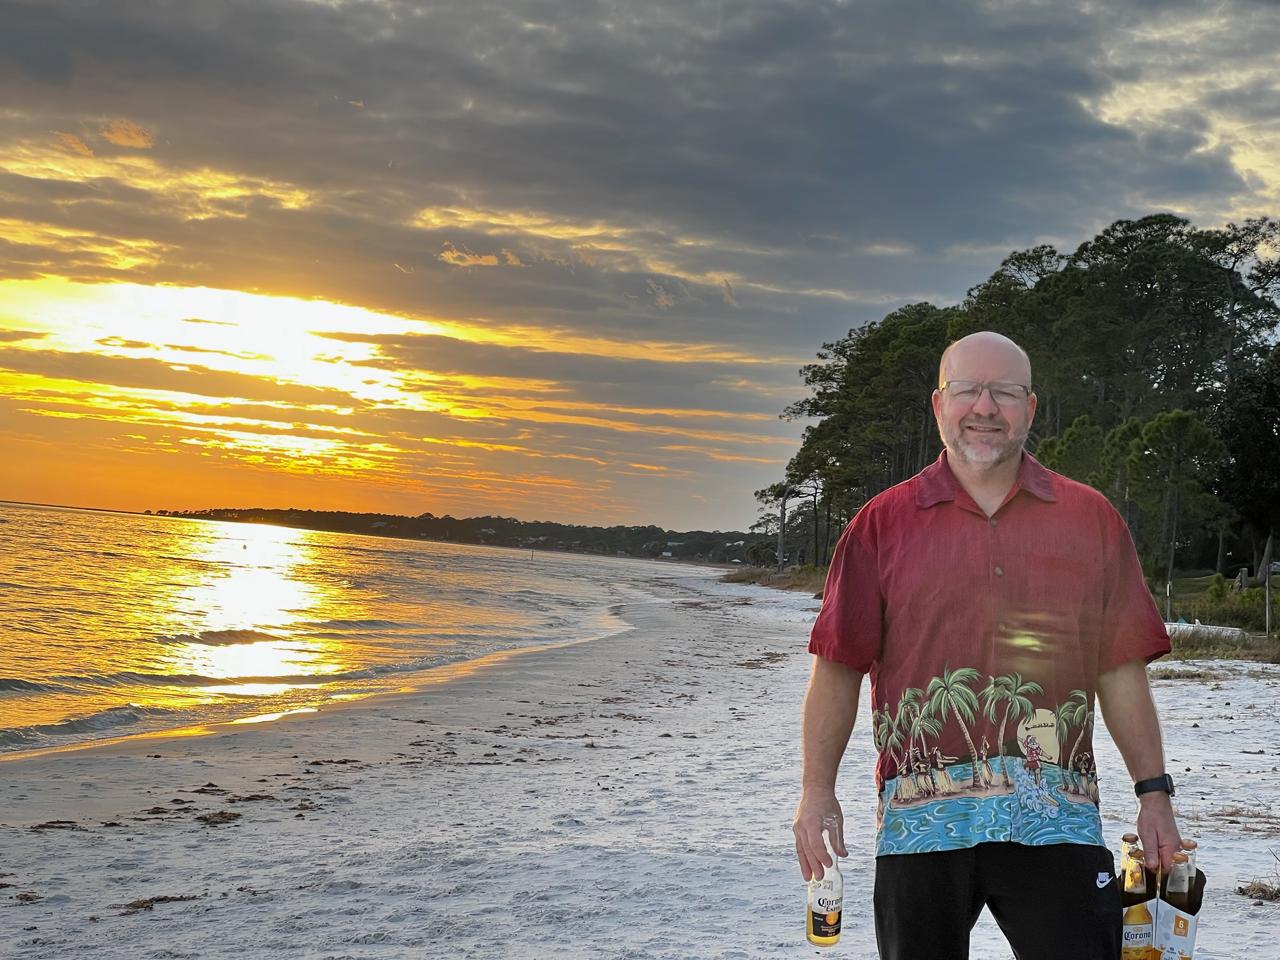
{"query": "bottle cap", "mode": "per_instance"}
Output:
(1189, 844)
(1179, 858)
(1130, 838)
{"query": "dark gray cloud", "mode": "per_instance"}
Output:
(757, 177)
(787, 139)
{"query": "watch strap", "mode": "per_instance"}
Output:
(1164, 783)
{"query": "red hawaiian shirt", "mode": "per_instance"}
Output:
(984, 638)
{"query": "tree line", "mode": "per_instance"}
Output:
(1155, 360)
(706, 546)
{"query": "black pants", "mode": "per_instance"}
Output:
(1056, 902)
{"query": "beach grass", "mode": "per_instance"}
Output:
(1260, 889)
(1255, 647)
(808, 579)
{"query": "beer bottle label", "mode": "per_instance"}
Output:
(1138, 938)
(825, 924)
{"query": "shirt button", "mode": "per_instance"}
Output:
(993, 521)
(1001, 627)
(999, 571)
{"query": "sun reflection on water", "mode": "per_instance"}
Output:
(268, 717)
(256, 584)
(125, 624)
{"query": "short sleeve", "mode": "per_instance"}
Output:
(1132, 627)
(848, 628)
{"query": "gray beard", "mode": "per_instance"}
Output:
(983, 457)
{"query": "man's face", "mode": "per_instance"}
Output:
(980, 432)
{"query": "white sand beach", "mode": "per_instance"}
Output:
(628, 797)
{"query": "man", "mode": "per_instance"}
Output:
(987, 597)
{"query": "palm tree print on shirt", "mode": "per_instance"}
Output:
(950, 694)
(1065, 717)
(1014, 694)
(909, 733)
(1080, 715)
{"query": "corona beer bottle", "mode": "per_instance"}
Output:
(826, 896)
(1177, 892)
(1135, 879)
(1127, 843)
(1189, 847)
(1138, 934)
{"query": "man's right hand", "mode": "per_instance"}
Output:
(815, 804)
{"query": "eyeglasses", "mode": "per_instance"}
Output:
(1004, 394)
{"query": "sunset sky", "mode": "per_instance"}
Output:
(551, 260)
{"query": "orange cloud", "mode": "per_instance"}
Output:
(126, 133)
(72, 144)
(193, 194)
(130, 390)
(116, 253)
(463, 257)
(530, 223)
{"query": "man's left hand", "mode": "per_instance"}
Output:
(1158, 831)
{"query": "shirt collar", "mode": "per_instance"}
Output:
(936, 483)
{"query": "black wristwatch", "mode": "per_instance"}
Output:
(1163, 782)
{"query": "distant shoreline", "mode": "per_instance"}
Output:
(386, 535)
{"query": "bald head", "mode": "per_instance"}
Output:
(985, 428)
(985, 356)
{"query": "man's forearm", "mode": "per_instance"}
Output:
(830, 707)
(1125, 697)
(1131, 719)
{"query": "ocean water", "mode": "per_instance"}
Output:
(1032, 815)
(115, 624)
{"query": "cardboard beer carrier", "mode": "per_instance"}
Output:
(1155, 928)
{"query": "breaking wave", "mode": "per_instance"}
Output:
(107, 719)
